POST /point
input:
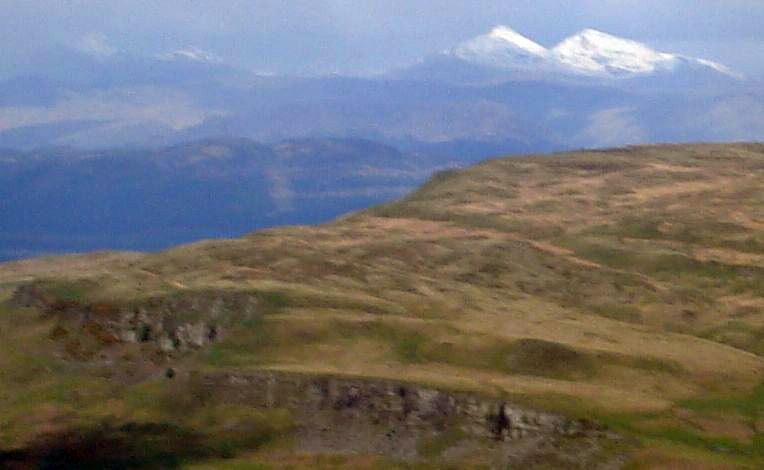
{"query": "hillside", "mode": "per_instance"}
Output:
(616, 293)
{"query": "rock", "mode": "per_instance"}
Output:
(367, 415)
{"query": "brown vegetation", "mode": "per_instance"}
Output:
(623, 285)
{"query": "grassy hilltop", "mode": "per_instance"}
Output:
(625, 286)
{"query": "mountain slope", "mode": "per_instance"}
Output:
(620, 286)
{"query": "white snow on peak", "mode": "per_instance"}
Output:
(512, 37)
(721, 68)
(592, 51)
(589, 52)
(502, 47)
(193, 54)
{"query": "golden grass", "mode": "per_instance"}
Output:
(646, 260)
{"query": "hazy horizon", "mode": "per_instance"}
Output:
(363, 37)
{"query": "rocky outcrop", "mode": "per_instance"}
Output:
(179, 322)
(351, 415)
(332, 414)
(184, 322)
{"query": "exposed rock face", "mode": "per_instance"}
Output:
(178, 322)
(32, 295)
(190, 321)
(349, 415)
(340, 415)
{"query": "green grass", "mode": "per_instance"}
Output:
(616, 311)
(435, 446)
(651, 364)
(468, 220)
(330, 462)
(75, 291)
(665, 226)
(523, 357)
(750, 404)
(296, 299)
(670, 431)
(641, 427)
(262, 342)
(751, 244)
(390, 294)
(275, 300)
(671, 265)
(739, 335)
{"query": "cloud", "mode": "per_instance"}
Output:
(95, 44)
(129, 106)
(192, 53)
(737, 118)
(614, 126)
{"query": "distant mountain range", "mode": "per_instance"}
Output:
(589, 53)
(497, 93)
(100, 154)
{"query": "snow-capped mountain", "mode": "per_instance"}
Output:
(505, 48)
(593, 52)
(588, 53)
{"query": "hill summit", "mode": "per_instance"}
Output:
(582, 310)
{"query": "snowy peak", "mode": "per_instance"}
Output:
(595, 52)
(589, 53)
(721, 68)
(513, 39)
(192, 54)
(502, 47)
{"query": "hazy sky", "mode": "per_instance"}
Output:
(318, 36)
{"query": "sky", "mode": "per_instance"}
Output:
(368, 36)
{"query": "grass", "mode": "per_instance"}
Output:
(422, 344)
(153, 424)
(672, 265)
(678, 436)
(616, 311)
(435, 446)
(327, 462)
(739, 335)
(665, 441)
(750, 404)
(750, 244)
(605, 284)
(75, 291)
